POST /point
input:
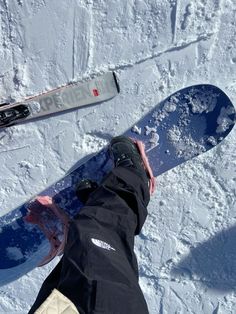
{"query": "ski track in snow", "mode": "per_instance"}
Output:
(186, 250)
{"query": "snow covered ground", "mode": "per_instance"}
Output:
(187, 249)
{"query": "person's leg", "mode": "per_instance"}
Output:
(98, 271)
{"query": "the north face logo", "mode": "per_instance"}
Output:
(102, 244)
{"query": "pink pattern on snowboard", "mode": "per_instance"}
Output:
(152, 181)
(53, 222)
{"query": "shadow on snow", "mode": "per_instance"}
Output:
(212, 262)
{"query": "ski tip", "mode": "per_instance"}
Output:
(116, 82)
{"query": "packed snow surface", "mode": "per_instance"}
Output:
(187, 248)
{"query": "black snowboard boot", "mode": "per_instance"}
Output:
(84, 189)
(125, 153)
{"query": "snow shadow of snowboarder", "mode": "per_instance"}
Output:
(212, 262)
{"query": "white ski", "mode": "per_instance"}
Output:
(63, 98)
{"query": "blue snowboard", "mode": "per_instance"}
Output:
(186, 124)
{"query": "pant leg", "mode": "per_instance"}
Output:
(99, 272)
(49, 284)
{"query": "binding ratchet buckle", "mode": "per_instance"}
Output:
(9, 115)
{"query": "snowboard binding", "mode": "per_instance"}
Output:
(130, 153)
(52, 221)
(84, 189)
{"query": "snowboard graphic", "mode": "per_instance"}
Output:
(186, 124)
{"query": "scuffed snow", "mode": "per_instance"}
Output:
(186, 250)
(212, 140)
(153, 141)
(204, 102)
(137, 130)
(224, 121)
(184, 145)
(14, 253)
(169, 106)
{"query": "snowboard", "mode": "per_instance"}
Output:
(186, 124)
(64, 98)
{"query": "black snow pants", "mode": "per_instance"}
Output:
(98, 271)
